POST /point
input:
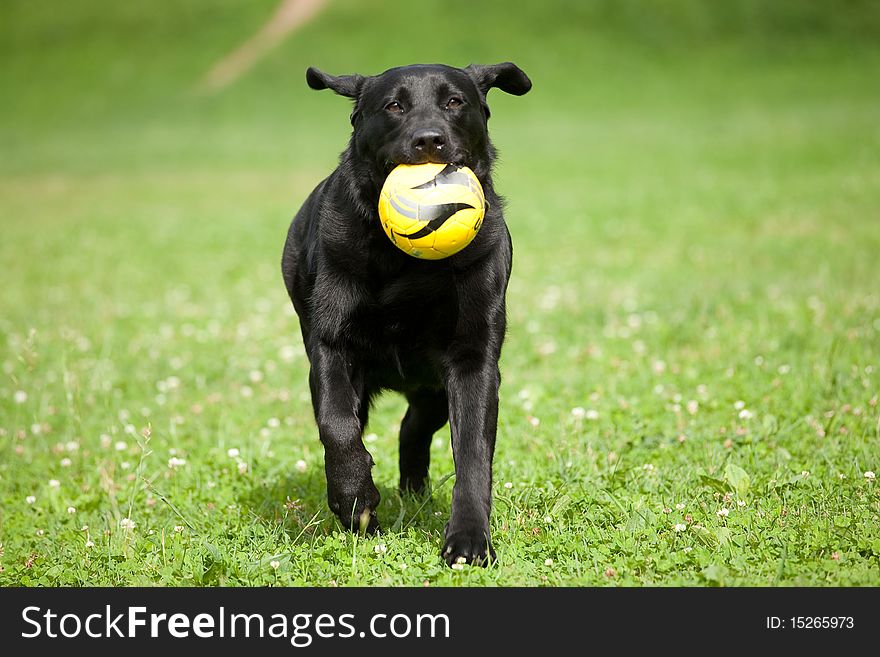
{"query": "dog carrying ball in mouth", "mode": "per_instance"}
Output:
(397, 265)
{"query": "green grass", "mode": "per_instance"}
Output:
(694, 197)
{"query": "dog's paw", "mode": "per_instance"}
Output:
(357, 512)
(471, 546)
(351, 493)
(413, 485)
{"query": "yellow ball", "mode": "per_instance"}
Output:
(431, 211)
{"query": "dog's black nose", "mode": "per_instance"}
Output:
(429, 141)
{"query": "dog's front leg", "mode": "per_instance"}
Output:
(340, 403)
(472, 388)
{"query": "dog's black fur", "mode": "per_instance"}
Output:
(373, 317)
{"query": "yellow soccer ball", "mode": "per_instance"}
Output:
(431, 211)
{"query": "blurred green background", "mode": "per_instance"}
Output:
(694, 198)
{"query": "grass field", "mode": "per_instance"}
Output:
(692, 370)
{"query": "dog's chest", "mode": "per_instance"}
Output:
(411, 306)
(403, 327)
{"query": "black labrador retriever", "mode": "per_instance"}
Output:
(374, 318)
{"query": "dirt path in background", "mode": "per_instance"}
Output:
(289, 15)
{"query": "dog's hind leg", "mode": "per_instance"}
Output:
(428, 411)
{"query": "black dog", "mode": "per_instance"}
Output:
(373, 317)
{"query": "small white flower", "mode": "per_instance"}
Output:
(274, 564)
(30, 499)
(120, 446)
(740, 502)
(242, 467)
(90, 544)
(403, 566)
(869, 475)
(680, 506)
(508, 485)
(458, 566)
(20, 397)
(739, 404)
(273, 422)
(175, 462)
(127, 523)
(36, 429)
(805, 473)
(648, 467)
(40, 532)
(125, 465)
(54, 483)
(255, 376)
(548, 562)
(71, 445)
(680, 527)
(301, 466)
(85, 528)
(578, 412)
(380, 548)
(246, 392)
(178, 528)
(548, 519)
(105, 440)
(232, 453)
(547, 348)
(71, 510)
(723, 513)
(534, 421)
(692, 406)
(746, 414)
(66, 463)
(592, 414)
(687, 549)
(461, 560)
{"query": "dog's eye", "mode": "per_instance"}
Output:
(454, 103)
(394, 107)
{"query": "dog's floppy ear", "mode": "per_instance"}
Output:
(506, 76)
(345, 85)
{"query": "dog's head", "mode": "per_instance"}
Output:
(422, 113)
